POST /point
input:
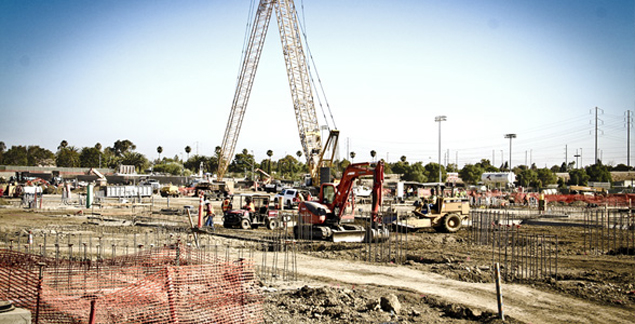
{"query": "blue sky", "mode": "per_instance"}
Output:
(163, 73)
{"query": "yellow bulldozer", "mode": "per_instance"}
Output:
(446, 215)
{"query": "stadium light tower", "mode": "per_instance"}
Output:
(440, 119)
(510, 136)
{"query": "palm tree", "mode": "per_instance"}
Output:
(403, 158)
(299, 154)
(63, 144)
(269, 154)
(188, 149)
(353, 156)
(373, 154)
(159, 150)
(98, 147)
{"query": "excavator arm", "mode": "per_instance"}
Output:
(344, 188)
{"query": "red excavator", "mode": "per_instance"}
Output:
(331, 217)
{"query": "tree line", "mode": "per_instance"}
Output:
(122, 152)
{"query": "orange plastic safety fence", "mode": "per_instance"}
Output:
(160, 286)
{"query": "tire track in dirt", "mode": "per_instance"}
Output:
(521, 302)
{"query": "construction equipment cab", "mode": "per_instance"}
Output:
(332, 216)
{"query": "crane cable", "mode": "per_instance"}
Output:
(250, 18)
(319, 81)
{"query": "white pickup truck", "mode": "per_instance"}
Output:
(291, 197)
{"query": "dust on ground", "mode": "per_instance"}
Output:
(604, 280)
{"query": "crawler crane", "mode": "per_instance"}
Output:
(299, 84)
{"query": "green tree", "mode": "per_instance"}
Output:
(242, 162)
(137, 159)
(403, 159)
(194, 163)
(373, 153)
(89, 157)
(401, 167)
(622, 167)
(16, 155)
(120, 147)
(188, 149)
(269, 154)
(415, 172)
(109, 159)
(173, 168)
(471, 174)
(63, 144)
(578, 177)
(37, 156)
(67, 157)
(353, 156)
(598, 172)
(526, 178)
(546, 177)
(432, 172)
(3, 147)
(486, 165)
(159, 150)
(288, 167)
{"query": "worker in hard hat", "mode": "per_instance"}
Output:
(249, 205)
(227, 204)
(209, 213)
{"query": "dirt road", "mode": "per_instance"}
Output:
(521, 302)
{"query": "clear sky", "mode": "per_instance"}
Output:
(163, 73)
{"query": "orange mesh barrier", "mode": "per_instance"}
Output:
(158, 286)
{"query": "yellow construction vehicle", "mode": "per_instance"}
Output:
(446, 215)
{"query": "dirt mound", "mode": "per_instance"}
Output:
(367, 304)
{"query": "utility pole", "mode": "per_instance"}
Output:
(580, 156)
(628, 137)
(596, 134)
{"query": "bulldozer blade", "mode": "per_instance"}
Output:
(350, 236)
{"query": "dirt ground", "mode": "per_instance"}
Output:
(443, 280)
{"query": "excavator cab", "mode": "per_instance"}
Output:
(327, 194)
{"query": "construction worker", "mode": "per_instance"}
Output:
(227, 204)
(249, 205)
(209, 214)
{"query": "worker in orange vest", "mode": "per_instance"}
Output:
(227, 204)
(249, 205)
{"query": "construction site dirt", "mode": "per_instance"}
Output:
(428, 277)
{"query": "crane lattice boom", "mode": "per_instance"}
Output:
(297, 73)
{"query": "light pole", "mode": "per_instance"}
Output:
(440, 119)
(252, 165)
(510, 136)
